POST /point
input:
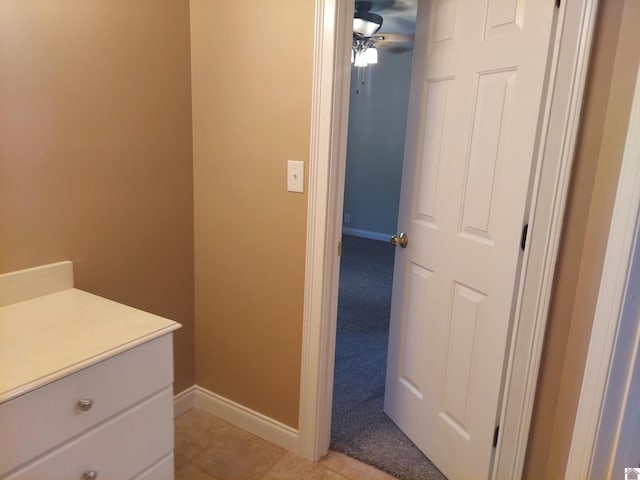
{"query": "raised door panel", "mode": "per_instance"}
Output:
(465, 318)
(431, 154)
(491, 115)
(411, 372)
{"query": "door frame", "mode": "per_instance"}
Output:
(569, 55)
(599, 380)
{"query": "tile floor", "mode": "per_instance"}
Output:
(207, 448)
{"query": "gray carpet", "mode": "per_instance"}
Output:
(360, 428)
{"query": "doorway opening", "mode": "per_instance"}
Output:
(568, 69)
(378, 107)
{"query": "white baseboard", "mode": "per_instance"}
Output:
(184, 401)
(249, 420)
(356, 232)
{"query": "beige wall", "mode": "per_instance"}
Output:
(95, 150)
(595, 173)
(251, 83)
(95, 166)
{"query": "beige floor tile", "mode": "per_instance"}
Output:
(206, 448)
(198, 424)
(195, 430)
(292, 467)
(187, 447)
(190, 472)
(179, 461)
(238, 455)
(352, 469)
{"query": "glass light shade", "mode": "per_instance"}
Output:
(360, 60)
(365, 27)
(371, 55)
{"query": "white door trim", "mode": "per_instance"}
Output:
(330, 109)
(611, 296)
(326, 190)
(570, 58)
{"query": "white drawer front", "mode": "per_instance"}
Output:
(119, 449)
(36, 422)
(163, 470)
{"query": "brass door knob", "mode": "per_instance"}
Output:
(400, 239)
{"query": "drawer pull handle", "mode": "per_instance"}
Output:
(86, 404)
(92, 475)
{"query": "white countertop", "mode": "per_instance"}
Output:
(48, 337)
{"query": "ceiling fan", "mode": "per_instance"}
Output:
(367, 24)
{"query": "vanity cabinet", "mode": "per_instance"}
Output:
(114, 418)
(85, 390)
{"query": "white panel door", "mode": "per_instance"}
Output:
(476, 96)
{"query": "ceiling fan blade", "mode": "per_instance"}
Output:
(393, 38)
(394, 42)
(397, 48)
(379, 5)
(393, 5)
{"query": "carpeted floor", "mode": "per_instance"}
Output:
(360, 428)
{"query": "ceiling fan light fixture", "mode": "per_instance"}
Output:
(365, 27)
(365, 23)
(360, 60)
(371, 55)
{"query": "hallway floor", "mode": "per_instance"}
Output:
(206, 448)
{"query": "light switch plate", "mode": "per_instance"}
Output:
(295, 176)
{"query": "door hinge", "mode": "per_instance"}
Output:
(340, 248)
(495, 436)
(523, 238)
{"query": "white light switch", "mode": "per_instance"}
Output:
(295, 176)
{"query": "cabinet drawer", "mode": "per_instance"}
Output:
(38, 421)
(119, 449)
(163, 470)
